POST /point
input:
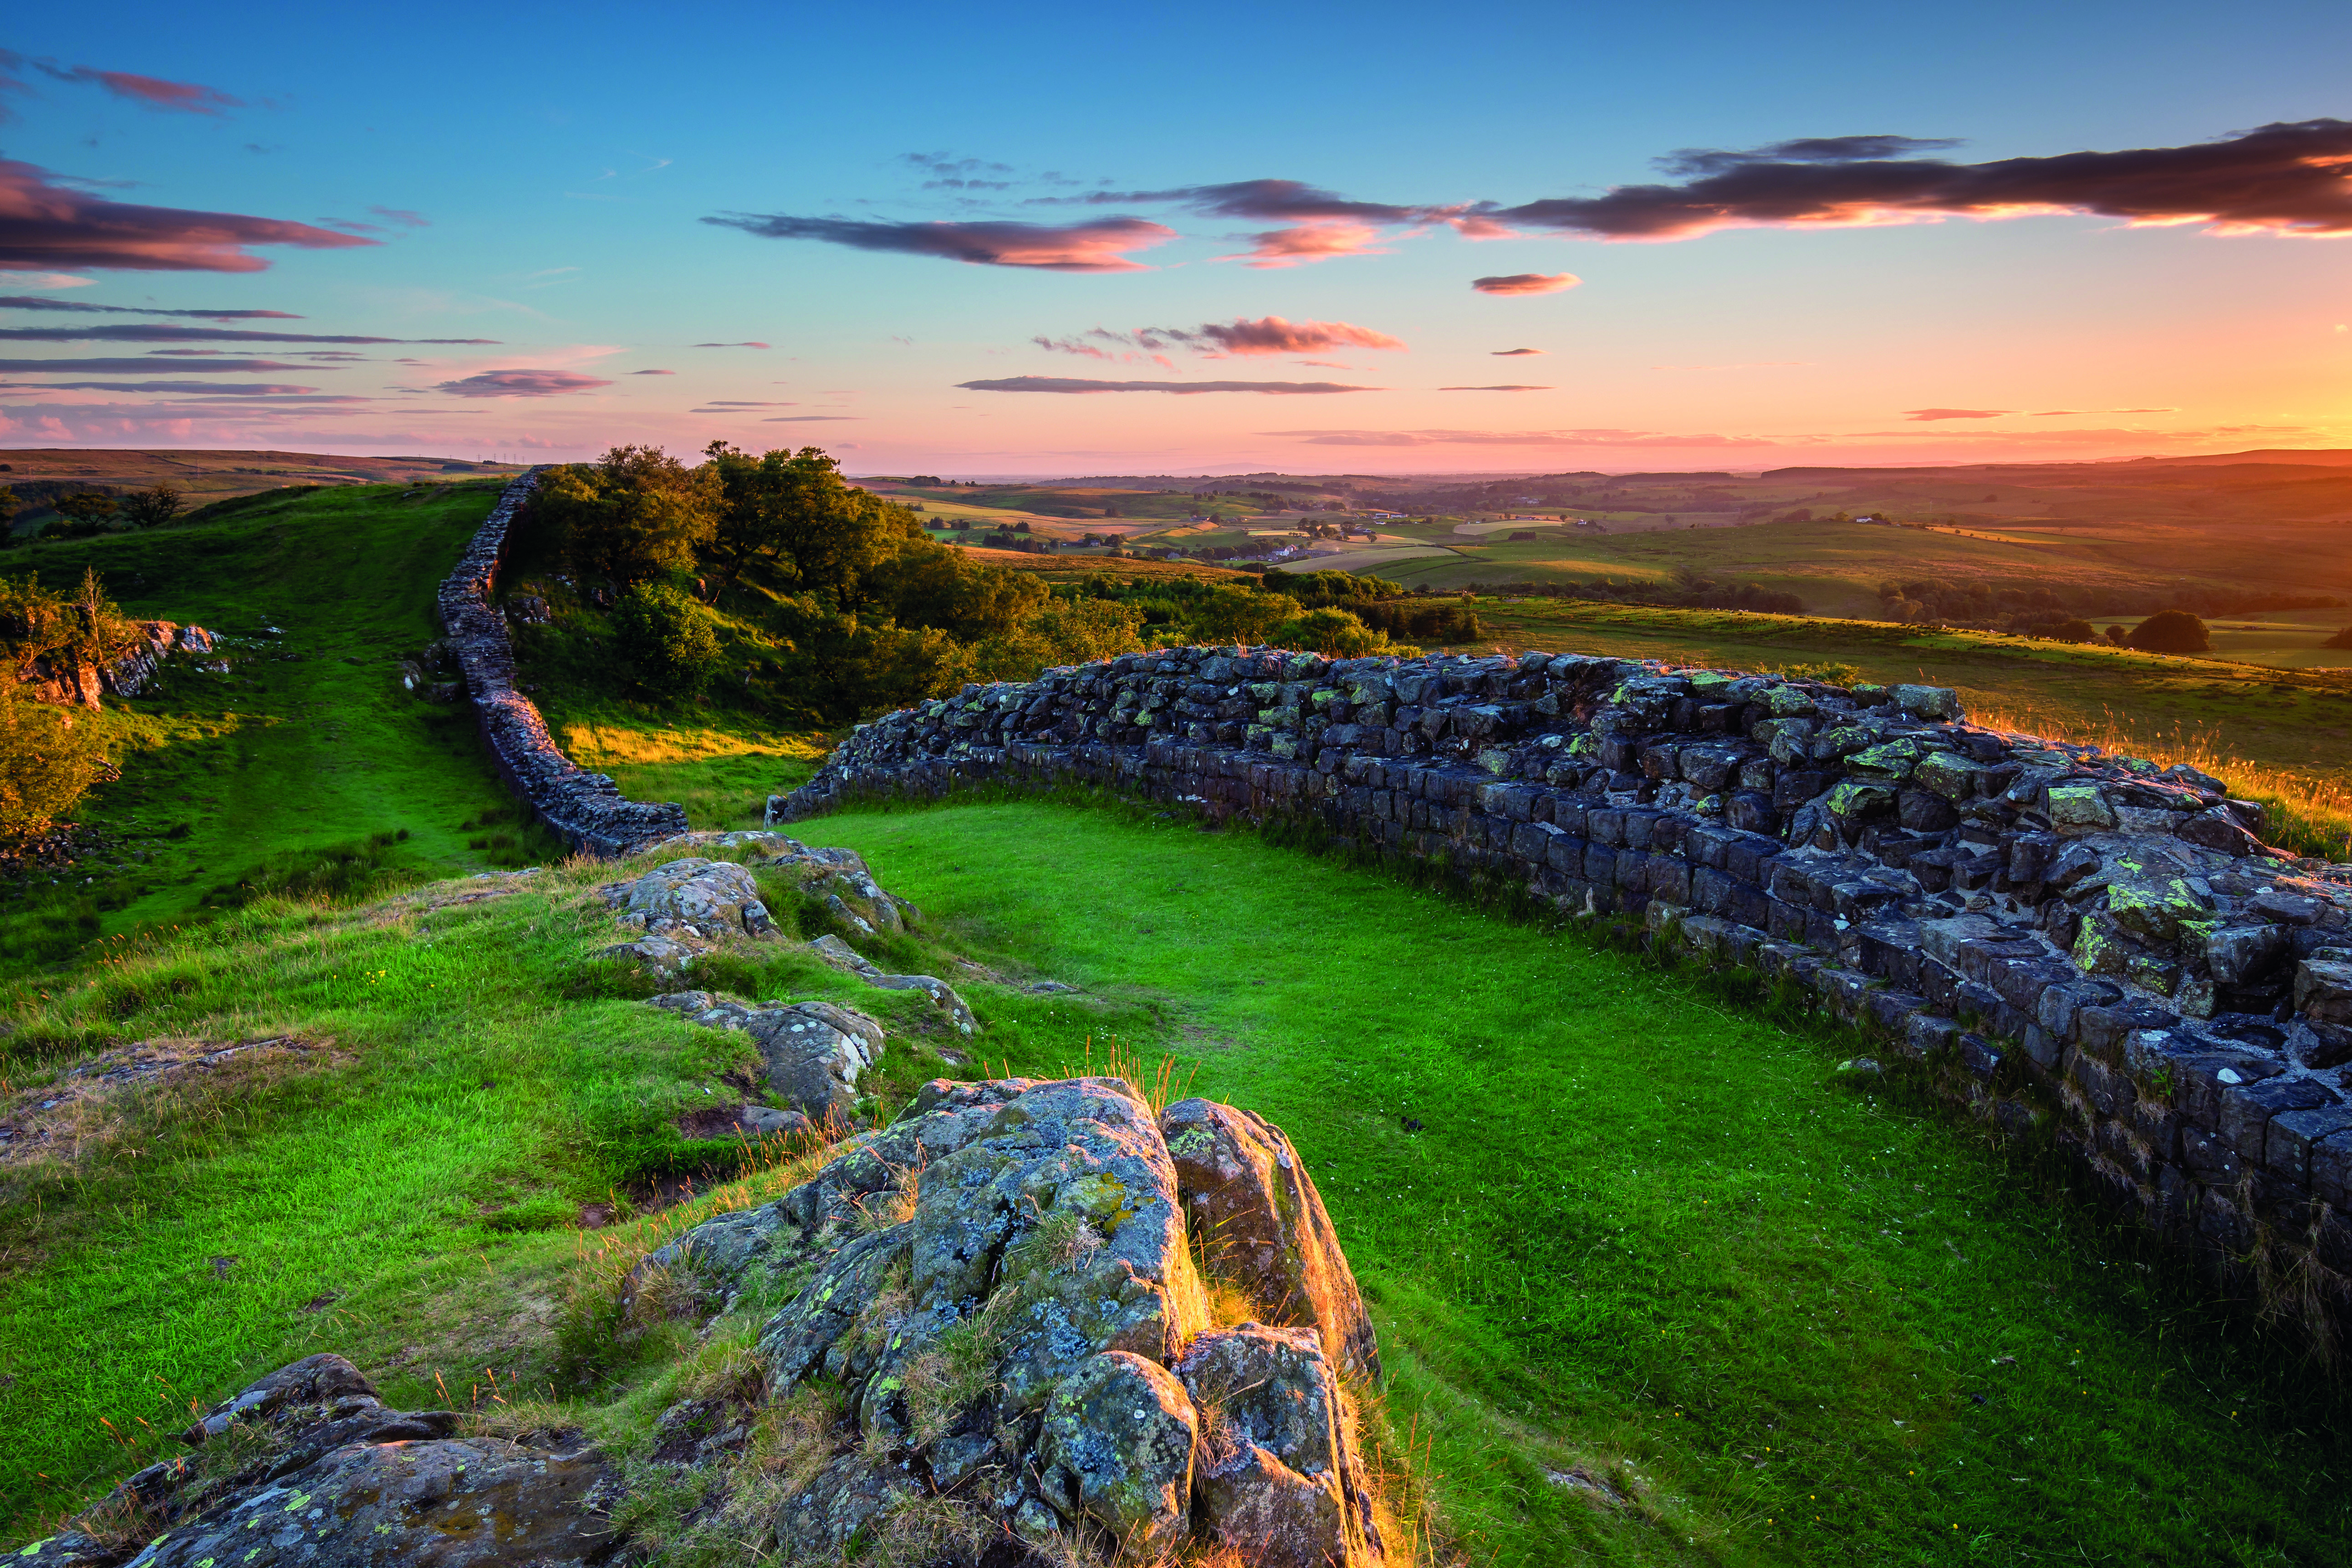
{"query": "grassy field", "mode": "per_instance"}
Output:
(1654, 1284)
(205, 476)
(307, 743)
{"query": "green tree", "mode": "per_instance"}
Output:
(1330, 631)
(46, 762)
(2170, 631)
(667, 638)
(80, 515)
(1244, 615)
(9, 507)
(154, 508)
(637, 515)
(793, 513)
(928, 583)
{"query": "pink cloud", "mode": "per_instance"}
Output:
(1098, 246)
(43, 225)
(1180, 388)
(1526, 283)
(521, 383)
(153, 92)
(1955, 413)
(1513, 353)
(1311, 242)
(653, 373)
(1601, 437)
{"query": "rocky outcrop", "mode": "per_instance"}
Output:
(324, 1476)
(67, 678)
(813, 1052)
(587, 810)
(2064, 938)
(1001, 1290)
(685, 909)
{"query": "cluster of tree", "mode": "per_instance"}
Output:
(46, 761)
(2039, 610)
(83, 514)
(772, 578)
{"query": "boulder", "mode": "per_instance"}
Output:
(997, 1293)
(849, 961)
(707, 899)
(331, 1478)
(1280, 1481)
(1247, 1190)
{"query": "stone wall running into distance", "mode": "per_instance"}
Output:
(586, 809)
(2063, 940)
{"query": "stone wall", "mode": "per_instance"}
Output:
(587, 809)
(2068, 941)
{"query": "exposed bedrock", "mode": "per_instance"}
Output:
(324, 1476)
(2063, 937)
(587, 810)
(1001, 1296)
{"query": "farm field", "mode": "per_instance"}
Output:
(209, 475)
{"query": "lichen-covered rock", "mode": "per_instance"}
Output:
(1247, 1190)
(839, 879)
(998, 1290)
(1280, 1478)
(331, 1478)
(849, 961)
(452, 1503)
(813, 1051)
(710, 900)
(1117, 1446)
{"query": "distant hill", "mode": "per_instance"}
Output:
(40, 474)
(2316, 457)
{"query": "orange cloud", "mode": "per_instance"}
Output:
(1311, 242)
(1955, 413)
(1180, 388)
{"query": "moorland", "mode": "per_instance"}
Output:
(1655, 1282)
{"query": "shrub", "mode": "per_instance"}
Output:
(2341, 639)
(46, 762)
(2170, 631)
(667, 638)
(1333, 632)
(2076, 630)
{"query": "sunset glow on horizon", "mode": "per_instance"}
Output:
(1001, 247)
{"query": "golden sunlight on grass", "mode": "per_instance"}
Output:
(592, 745)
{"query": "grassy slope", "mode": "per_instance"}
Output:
(1638, 1233)
(309, 740)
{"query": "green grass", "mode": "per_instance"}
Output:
(1641, 1231)
(308, 744)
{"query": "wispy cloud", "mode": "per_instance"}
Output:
(402, 217)
(30, 302)
(127, 364)
(812, 418)
(1933, 414)
(1526, 283)
(653, 373)
(1180, 388)
(1513, 353)
(1100, 246)
(2071, 413)
(2282, 178)
(181, 388)
(521, 383)
(1216, 340)
(743, 345)
(1308, 242)
(1497, 389)
(1601, 437)
(158, 333)
(148, 91)
(46, 223)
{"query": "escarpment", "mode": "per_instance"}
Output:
(587, 810)
(2061, 938)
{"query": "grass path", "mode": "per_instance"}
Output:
(309, 740)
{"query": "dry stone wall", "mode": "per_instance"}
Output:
(2067, 941)
(587, 809)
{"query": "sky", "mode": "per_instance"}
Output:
(1061, 240)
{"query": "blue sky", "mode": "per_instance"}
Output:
(562, 162)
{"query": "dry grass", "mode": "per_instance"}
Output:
(1155, 1085)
